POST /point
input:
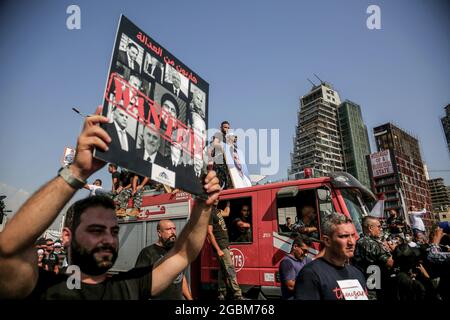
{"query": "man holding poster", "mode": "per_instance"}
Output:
(91, 233)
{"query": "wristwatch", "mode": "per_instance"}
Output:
(71, 180)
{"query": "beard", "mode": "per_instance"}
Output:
(89, 262)
(169, 243)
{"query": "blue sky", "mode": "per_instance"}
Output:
(256, 56)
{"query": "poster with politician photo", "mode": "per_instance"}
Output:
(158, 111)
(235, 161)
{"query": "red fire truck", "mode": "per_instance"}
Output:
(256, 261)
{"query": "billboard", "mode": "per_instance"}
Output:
(381, 163)
(158, 111)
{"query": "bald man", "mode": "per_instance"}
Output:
(167, 234)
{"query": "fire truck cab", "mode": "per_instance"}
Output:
(257, 259)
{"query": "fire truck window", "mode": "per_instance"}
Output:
(286, 218)
(240, 221)
(325, 203)
(354, 208)
(298, 214)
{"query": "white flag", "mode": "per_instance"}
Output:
(378, 209)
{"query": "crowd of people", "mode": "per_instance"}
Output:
(390, 261)
(51, 255)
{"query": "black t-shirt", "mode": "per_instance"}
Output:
(116, 175)
(133, 285)
(219, 229)
(149, 256)
(318, 280)
(394, 224)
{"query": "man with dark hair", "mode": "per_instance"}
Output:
(291, 265)
(96, 188)
(115, 177)
(216, 154)
(218, 236)
(394, 222)
(129, 57)
(123, 193)
(242, 227)
(197, 103)
(438, 256)
(154, 68)
(167, 234)
(412, 279)
(322, 279)
(170, 105)
(170, 112)
(91, 237)
(371, 251)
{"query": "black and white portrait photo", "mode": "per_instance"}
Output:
(153, 68)
(130, 54)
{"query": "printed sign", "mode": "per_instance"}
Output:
(158, 111)
(381, 163)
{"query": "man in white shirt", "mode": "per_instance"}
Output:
(416, 220)
(95, 189)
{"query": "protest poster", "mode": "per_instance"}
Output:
(381, 163)
(158, 109)
(235, 161)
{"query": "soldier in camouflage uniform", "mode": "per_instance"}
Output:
(139, 185)
(371, 251)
